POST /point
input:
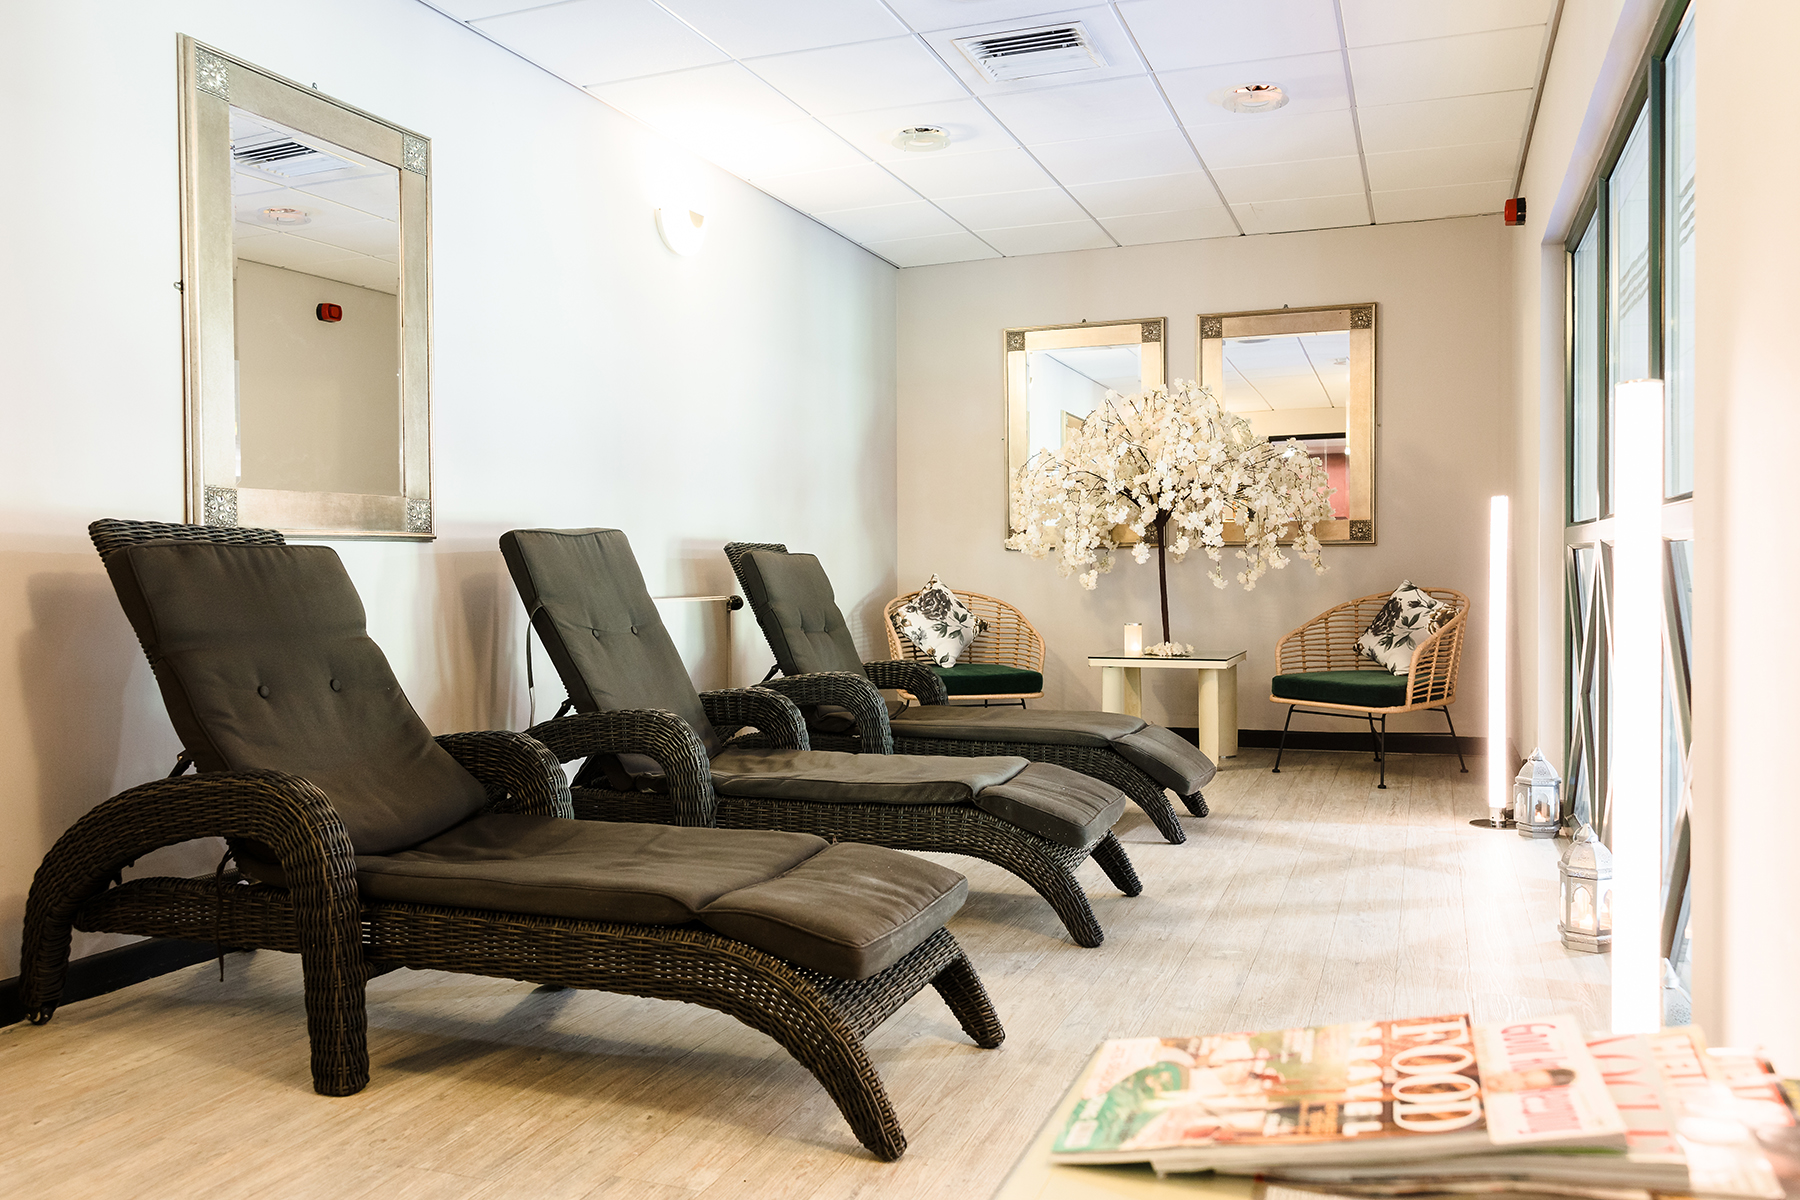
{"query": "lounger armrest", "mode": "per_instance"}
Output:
(651, 732)
(519, 772)
(845, 690)
(282, 812)
(775, 716)
(916, 678)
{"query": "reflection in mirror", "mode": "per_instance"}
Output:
(1306, 374)
(316, 274)
(1057, 374)
(1296, 386)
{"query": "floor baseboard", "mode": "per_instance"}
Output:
(110, 970)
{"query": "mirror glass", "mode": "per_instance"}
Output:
(1307, 374)
(306, 308)
(1057, 374)
(315, 240)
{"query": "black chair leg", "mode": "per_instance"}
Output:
(1381, 749)
(1454, 740)
(1283, 746)
(1373, 740)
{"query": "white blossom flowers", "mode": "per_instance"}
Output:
(1174, 462)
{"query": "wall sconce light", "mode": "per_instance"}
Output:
(683, 230)
(1635, 759)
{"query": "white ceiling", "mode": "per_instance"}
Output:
(1305, 371)
(1401, 110)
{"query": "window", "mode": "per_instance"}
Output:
(1631, 316)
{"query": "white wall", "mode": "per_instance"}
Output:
(1442, 447)
(583, 375)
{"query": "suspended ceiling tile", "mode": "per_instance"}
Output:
(1442, 166)
(371, 273)
(971, 128)
(1502, 61)
(747, 30)
(1291, 180)
(1047, 239)
(938, 248)
(889, 222)
(947, 14)
(943, 176)
(784, 148)
(701, 96)
(1127, 156)
(373, 237)
(1198, 33)
(1116, 56)
(1146, 228)
(598, 41)
(860, 76)
(1316, 212)
(1276, 137)
(1427, 204)
(1084, 110)
(862, 186)
(1156, 194)
(473, 10)
(1454, 121)
(1373, 22)
(373, 194)
(1041, 206)
(1313, 83)
(292, 253)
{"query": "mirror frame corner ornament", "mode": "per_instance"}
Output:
(1211, 332)
(211, 81)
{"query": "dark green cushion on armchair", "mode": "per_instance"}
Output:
(989, 679)
(1360, 689)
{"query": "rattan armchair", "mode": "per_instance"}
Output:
(321, 908)
(1007, 639)
(1319, 666)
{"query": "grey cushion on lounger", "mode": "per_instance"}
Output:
(965, 723)
(1167, 757)
(1056, 803)
(265, 664)
(832, 777)
(797, 592)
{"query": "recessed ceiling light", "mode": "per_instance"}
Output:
(922, 138)
(284, 216)
(1253, 98)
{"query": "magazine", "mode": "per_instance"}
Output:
(1366, 1091)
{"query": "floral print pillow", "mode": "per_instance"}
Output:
(1407, 619)
(938, 623)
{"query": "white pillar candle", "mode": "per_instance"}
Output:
(1134, 639)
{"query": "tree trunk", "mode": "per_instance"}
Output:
(1162, 571)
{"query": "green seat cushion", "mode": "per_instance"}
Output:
(1359, 689)
(989, 679)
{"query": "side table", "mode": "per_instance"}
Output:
(1122, 691)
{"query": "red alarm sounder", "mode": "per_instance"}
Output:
(335, 312)
(1515, 211)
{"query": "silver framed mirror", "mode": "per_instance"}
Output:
(1308, 374)
(306, 264)
(1056, 374)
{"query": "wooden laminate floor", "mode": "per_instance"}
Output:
(1306, 897)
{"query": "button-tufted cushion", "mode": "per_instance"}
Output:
(589, 605)
(265, 664)
(806, 631)
(833, 777)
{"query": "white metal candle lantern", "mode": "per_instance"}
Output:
(1587, 894)
(1537, 798)
(1134, 639)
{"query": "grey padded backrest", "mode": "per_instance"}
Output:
(804, 625)
(265, 663)
(589, 605)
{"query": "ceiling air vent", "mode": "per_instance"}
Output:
(1029, 53)
(284, 156)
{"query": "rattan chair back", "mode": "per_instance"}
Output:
(1328, 643)
(1010, 639)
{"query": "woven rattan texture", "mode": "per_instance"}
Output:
(656, 734)
(941, 828)
(772, 714)
(1328, 643)
(108, 534)
(1009, 639)
(845, 690)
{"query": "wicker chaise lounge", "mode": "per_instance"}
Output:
(364, 844)
(797, 610)
(587, 600)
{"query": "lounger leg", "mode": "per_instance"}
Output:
(962, 990)
(1196, 804)
(1283, 745)
(1454, 740)
(824, 1044)
(1112, 859)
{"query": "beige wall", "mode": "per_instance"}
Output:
(318, 401)
(1442, 446)
(583, 374)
